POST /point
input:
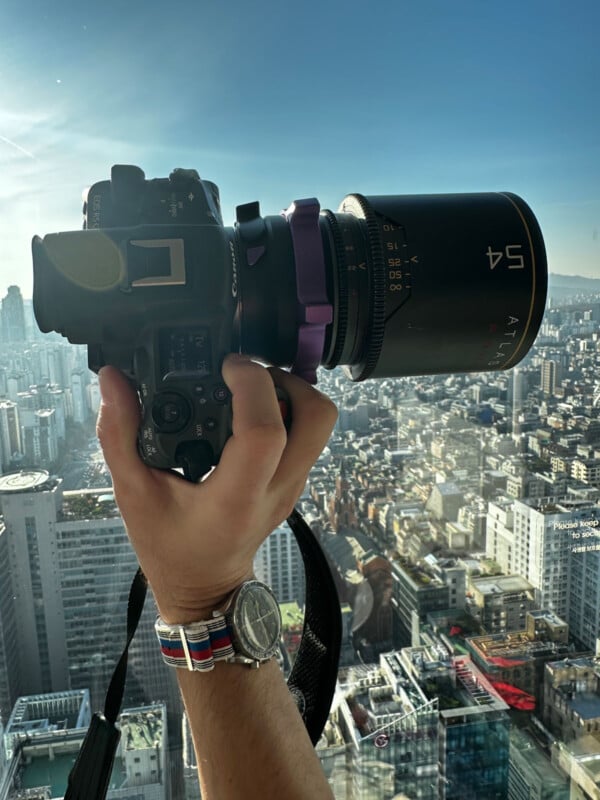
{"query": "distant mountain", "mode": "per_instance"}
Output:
(562, 287)
(576, 282)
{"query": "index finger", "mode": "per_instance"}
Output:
(252, 454)
(313, 418)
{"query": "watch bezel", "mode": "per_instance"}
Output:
(237, 625)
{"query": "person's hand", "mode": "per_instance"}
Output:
(196, 542)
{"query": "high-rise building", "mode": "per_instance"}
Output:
(416, 593)
(34, 717)
(381, 741)
(13, 316)
(30, 502)
(71, 565)
(39, 436)
(79, 393)
(279, 564)
(519, 384)
(531, 773)
(555, 545)
(46, 731)
(584, 586)
(10, 432)
(10, 675)
(473, 724)
(548, 376)
(516, 658)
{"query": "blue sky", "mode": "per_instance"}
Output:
(275, 101)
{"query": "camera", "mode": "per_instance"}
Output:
(156, 285)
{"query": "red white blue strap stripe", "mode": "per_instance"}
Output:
(195, 647)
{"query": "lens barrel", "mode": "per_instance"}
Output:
(433, 283)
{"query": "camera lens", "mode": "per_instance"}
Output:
(435, 283)
(417, 284)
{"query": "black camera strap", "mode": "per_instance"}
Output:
(90, 775)
(312, 679)
(314, 674)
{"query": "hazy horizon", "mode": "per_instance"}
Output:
(311, 100)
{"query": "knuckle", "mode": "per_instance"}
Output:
(283, 508)
(329, 409)
(265, 439)
(324, 411)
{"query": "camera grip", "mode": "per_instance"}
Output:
(189, 429)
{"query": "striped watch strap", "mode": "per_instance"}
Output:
(195, 647)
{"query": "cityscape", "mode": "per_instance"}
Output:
(460, 515)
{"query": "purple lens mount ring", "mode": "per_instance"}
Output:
(314, 309)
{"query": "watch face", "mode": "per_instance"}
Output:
(257, 621)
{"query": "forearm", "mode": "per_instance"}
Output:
(249, 737)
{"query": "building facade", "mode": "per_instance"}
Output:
(381, 740)
(554, 544)
(278, 563)
(71, 565)
(13, 316)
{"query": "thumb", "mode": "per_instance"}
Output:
(117, 426)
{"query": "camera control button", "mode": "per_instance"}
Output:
(221, 394)
(210, 424)
(170, 412)
(200, 394)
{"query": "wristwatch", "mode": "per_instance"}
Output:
(246, 630)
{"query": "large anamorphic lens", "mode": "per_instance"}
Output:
(414, 284)
(433, 283)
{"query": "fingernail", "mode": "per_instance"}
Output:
(238, 358)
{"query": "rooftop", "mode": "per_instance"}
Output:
(580, 662)
(46, 715)
(460, 686)
(54, 772)
(586, 705)
(422, 576)
(142, 729)
(513, 645)
(501, 584)
(88, 504)
(547, 615)
(25, 481)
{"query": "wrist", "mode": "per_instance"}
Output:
(175, 611)
(176, 615)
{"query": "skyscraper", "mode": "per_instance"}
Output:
(279, 564)
(13, 316)
(584, 588)
(71, 563)
(79, 381)
(556, 547)
(381, 740)
(10, 676)
(40, 437)
(518, 379)
(10, 432)
(548, 376)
